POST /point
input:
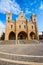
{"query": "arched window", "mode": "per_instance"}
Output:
(19, 26)
(24, 26)
(11, 26)
(32, 27)
(8, 17)
(8, 21)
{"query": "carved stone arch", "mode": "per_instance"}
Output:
(32, 35)
(22, 35)
(12, 36)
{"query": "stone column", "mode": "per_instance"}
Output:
(16, 39)
(33, 37)
(29, 37)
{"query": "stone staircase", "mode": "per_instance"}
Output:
(19, 42)
(21, 53)
(19, 57)
(28, 42)
(8, 42)
(20, 60)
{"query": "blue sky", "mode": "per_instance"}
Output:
(28, 7)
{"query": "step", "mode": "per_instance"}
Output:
(4, 61)
(28, 58)
(25, 49)
(19, 42)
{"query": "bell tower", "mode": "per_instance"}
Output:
(33, 18)
(8, 16)
(8, 19)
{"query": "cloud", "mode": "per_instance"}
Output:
(27, 11)
(40, 33)
(2, 26)
(41, 6)
(9, 6)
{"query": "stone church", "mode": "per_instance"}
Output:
(21, 28)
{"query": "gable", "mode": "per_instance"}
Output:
(21, 16)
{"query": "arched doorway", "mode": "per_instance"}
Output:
(22, 35)
(12, 36)
(32, 35)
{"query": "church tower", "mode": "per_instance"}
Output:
(34, 21)
(8, 16)
(8, 19)
(33, 18)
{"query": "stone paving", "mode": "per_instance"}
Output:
(21, 54)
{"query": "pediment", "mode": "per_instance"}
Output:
(21, 16)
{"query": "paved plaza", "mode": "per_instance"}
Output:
(21, 54)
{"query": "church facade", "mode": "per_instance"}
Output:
(21, 28)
